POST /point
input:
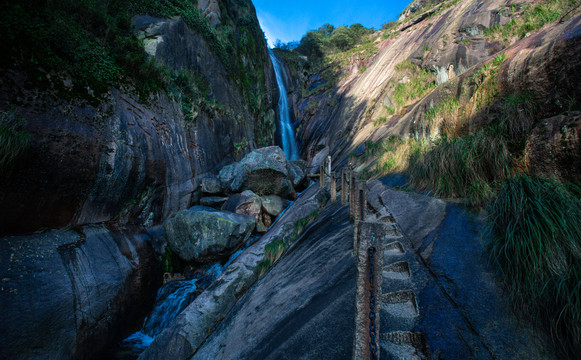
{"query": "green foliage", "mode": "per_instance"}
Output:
(328, 40)
(388, 25)
(531, 19)
(420, 83)
(240, 148)
(446, 108)
(14, 139)
(361, 53)
(515, 121)
(536, 225)
(168, 260)
(499, 59)
(380, 121)
(303, 222)
(462, 167)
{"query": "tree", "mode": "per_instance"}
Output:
(342, 39)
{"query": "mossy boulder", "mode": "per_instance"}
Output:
(201, 232)
(265, 171)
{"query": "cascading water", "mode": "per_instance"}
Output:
(171, 299)
(289, 142)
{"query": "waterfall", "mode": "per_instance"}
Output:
(289, 143)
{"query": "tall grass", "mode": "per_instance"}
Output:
(14, 139)
(536, 245)
(443, 117)
(461, 167)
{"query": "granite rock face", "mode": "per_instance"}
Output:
(198, 232)
(555, 147)
(128, 159)
(68, 294)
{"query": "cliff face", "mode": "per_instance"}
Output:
(433, 57)
(127, 154)
(110, 115)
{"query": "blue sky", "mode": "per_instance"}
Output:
(290, 20)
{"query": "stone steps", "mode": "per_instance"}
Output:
(399, 308)
(397, 311)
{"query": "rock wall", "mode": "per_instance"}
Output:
(66, 294)
(445, 39)
(129, 159)
(125, 159)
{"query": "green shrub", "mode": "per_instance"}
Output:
(536, 227)
(14, 139)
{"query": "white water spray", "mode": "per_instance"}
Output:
(289, 143)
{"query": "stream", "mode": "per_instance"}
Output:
(171, 299)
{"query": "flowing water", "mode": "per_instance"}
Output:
(171, 299)
(289, 142)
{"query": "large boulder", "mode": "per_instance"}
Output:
(247, 203)
(210, 184)
(232, 177)
(215, 202)
(200, 231)
(264, 171)
(273, 205)
(297, 171)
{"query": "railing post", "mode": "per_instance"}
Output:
(322, 175)
(357, 201)
(352, 194)
(333, 187)
(356, 238)
(362, 200)
(369, 238)
(344, 174)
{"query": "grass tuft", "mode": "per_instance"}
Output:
(461, 167)
(272, 252)
(443, 116)
(419, 84)
(529, 19)
(536, 245)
